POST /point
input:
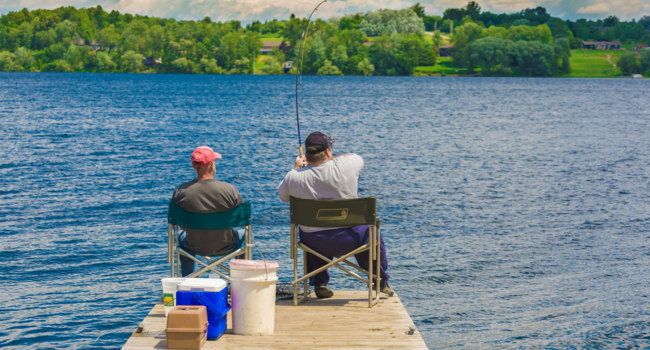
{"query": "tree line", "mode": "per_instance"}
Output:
(607, 29)
(381, 42)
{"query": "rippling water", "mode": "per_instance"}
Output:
(515, 211)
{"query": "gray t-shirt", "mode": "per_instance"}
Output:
(208, 196)
(335, 179)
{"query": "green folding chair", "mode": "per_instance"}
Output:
(336, 213)
(177, 218)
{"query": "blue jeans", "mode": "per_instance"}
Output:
(188, 265)
(337, 242)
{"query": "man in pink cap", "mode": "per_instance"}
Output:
(205, 194)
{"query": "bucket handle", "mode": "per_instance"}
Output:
(203, 300)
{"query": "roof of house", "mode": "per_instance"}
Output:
(601, 42)
(271, 44)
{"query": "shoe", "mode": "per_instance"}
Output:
(323, 292)
(385, 288)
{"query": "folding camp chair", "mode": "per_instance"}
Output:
(336, 213)
(177, 218)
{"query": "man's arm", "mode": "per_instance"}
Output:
(283, 188)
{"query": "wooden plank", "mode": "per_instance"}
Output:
(344, 321)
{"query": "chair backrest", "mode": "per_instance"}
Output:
(333, 212)
(235, 217)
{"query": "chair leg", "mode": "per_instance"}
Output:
(295, 265)
(249, 243)
(371, 253)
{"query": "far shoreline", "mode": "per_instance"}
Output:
(343, 76)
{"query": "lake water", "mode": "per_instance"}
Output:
(516, 212)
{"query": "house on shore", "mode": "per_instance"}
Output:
(601, 45)
(286, 66)
(150, 61)
(445, 50)
(268, 46)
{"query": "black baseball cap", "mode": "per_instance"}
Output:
(319, 141)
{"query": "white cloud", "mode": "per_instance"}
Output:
(594, 9)
(249, 10)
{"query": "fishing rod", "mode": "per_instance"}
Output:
(299, 71)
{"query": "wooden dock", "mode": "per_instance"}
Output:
(343, 321)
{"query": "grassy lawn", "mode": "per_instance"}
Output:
(272, 39)
(594, 64)
(260, 63)
(443, 66)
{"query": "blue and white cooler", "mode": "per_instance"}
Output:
(213, 294)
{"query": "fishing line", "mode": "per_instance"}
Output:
(299, 71)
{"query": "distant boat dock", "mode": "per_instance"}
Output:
(343, 321)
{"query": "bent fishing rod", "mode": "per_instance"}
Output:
(299, 71)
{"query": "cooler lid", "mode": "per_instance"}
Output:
(202, 284)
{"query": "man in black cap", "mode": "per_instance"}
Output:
(319, 175)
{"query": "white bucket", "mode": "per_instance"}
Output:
(169, 286)
(253, 296)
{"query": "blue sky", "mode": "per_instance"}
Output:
(249, 10)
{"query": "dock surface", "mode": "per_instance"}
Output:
(343, 321)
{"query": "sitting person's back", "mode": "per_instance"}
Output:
(319, 176)
(206, 195)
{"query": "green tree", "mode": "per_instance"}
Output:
(131, 61)
(241, 66)
(473, 10)
(105, 62)
(490, 53)
(383, 56)
(497, 32)
(628, 63)
(210, 66)
(521, 32)
(645, 62)
(25, 34)
(339, 56)
(272, 66)
(183, 65)
(418, 9)
(75, 58)
(328, 69)
(391, 21)
(24, 59)
(293, 29)
(108, 37)
(610, 21)
(463, 37)
(410, 51)
(7, 61)
(432, 23)
(155, 42)
(62, 66)
(533, 58)
(350, 22)
(365, 67)
(65, 31)
(563, 51)
(44, 39)
(574, 42)
(235, 46)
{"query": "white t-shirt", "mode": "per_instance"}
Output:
(334, 179)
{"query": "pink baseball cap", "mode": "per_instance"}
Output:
(204, 155)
